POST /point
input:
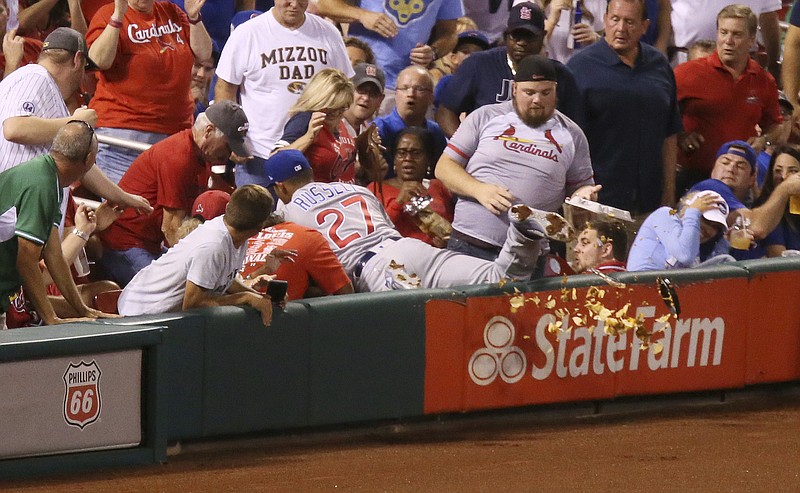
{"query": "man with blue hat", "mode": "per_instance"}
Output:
(733, 176)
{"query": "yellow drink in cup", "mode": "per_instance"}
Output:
(739, 241)
(794, 204)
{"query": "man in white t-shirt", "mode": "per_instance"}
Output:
(267, 62)
(200, 270)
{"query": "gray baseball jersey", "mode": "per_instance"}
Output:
(354, 222)
(541, 166)
(28, 91)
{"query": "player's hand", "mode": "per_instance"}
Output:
(315, 124)
(588, 192)
(106, 214)
(422, 55)
(85, 219)
(584, 34)
(13, 48)
(410, 189)
(690, 142)
(380, 23)
(193, 7)
(86, 114)
(494, 197)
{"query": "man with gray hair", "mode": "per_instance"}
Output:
(30, 198)
(170, 175)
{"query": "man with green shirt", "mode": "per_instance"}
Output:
(30, 199)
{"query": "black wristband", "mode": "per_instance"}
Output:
(198, 20)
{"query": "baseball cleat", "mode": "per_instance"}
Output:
(541, 223)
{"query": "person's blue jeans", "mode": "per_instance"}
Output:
(113, 160)
(122, 265)
(251, 172)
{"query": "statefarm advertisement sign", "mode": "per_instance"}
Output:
(583, 344)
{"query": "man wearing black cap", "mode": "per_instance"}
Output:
(523, 150)
(633, 121)
(170, 175)
(369, 82)
(486, 77)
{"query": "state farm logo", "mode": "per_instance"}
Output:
(499, 356)
(575, 352)
(82, 394)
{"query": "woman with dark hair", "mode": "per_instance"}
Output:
(785, 162)
(403, 194)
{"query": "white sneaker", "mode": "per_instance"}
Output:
(536, 224)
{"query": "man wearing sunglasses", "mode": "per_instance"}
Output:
(30, 198)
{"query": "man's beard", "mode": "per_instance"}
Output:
(534, 121)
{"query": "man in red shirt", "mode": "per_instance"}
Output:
(170, 175)
(723, 97)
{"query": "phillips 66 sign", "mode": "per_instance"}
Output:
(82, 394)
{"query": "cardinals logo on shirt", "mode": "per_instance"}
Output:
(165, 46)
(532, 147)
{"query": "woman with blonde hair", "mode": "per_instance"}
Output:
(316, 127)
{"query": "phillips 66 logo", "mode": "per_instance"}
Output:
(82, 394)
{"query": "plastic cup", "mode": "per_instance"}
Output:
(794, 204)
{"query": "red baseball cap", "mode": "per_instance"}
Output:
(210, 204)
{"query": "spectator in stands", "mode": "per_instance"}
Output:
(785, 162)
(791, 61)
(317, 128)
(413, 158)
(207, 206)
(313, 270)
(369, 83)
(414, 96)
(399, 36)
(358, 51)
(487, 77)
(37, 19)
(724, 96)
(17, 50)
(732, 177)
(693, 20)
(564, 35)
(32, 110)
(202, 73)
(30, 198)
(491, 18)
(701, 49)
(218, 16)
(523, 150)
(372, 252)
(601, 246)
(145, 50)
(691, 237)
(171, 174)
(294, 45)
(468, 43)
(201, 270)
(789, 134)
(634, 162)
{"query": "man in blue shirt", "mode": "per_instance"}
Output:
(486, 77)
(632, 112)
(414, 98)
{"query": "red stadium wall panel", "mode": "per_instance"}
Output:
(574, 344)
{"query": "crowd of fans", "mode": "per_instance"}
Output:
(168, 144)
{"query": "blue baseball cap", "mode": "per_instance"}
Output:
(285, 164)
(721, 188)
(475, 37)
(739, 148)
(240, 18)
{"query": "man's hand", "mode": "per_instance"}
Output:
(86, 114)
(85, 219)
(13, 48)
(139, 203)
(271, 264)
(422, 55)
(193, 7)
(588, 192)
(758, 143)
(264, 306)
(94, 314)
(410, 189)
(120, 7)
(690, 142)
(584, 34)
(380, 23)
(106, 214)
(494, 197)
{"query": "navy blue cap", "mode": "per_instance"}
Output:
(475, 37)
(722, 189)
(240, 18)
(285, 164)
(739, 148)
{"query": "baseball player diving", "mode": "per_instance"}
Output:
(377, 257)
